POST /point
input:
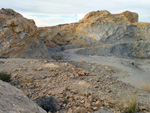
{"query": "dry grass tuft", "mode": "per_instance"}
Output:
(132, 103)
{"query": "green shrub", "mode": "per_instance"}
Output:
(132, 103)
(4, 76)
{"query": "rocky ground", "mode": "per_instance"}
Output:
(74, 87)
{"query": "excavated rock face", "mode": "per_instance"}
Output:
(18, 36)
(126, 50)
(12, 100)
(87, 31)
(105, 31)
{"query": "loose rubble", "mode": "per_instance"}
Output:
(73, 87)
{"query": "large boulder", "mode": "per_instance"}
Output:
(12, 100)
(19, 37)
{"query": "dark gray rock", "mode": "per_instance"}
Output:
(125, 50)
(48, 104)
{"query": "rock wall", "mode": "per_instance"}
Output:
(126, 50)
(12, 100)
(19, 36)
(91, 29)
(101, 29)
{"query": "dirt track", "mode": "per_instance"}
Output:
(136, 72)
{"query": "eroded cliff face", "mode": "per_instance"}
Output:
(103, 30)
(91, 29)
(19, 36)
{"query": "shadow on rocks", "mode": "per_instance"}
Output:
(48, 104)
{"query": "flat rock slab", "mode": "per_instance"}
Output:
(12, 100)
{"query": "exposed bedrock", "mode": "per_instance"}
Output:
(92, 29)
(126, 50)
(116, 34)
(94, 33)
(110, 33)
(19, 36)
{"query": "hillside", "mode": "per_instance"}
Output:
(110, 34)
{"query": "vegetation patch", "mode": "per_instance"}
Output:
(4, 76)
(132, 103)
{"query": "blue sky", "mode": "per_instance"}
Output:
(54, 12)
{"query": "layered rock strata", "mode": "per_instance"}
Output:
(109, 34)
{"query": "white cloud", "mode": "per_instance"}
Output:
(53, 19)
